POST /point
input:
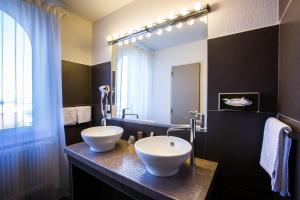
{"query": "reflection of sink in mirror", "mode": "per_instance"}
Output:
(159, 79)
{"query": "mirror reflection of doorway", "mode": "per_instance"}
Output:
(185, 92)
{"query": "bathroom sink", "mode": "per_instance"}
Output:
(163, 155)
(102, 138)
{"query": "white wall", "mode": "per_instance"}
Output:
(227, 17)
(163, 60)
(76, 39)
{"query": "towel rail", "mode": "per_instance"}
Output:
(292, 135)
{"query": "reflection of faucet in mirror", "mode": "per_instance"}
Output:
(192, 127)
(104, 90)
(124, 113)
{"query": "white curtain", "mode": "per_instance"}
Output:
(133, 81)
(32, 162)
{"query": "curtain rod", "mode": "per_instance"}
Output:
(48, 7)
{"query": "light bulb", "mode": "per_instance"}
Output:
(149, 24)
(160, 20)
(148, 35)
(138, 28)
(169, 28)
(203, 19)
(109, 38)
(197, 6)
(179, 25)
(126, 42)
(184, 11)
(171, 16)
(133, 40)
(159, 32)
(191, 22)
(140, 37)
(129, 31)
(120, 43)
(122, 34)
(115, 36)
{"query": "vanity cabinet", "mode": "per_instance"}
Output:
(120, 175)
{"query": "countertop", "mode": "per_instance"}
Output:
(122, 165)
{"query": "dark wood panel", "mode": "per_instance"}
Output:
(76, 84)
(73, 133)
(289, 63)
(289, 84)
(101, 75)
(244, 62)
(234, 139)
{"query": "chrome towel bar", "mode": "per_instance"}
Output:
(292, 135)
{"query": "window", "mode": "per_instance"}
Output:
(15, 74)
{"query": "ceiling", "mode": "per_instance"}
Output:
(91, 9)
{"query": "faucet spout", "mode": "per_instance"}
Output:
(192, 128)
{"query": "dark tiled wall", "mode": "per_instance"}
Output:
(289, 83)
(76, 89)
(76, 84)
(244, 62)
(101, 75)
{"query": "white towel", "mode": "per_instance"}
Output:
(84, 114)
(70, 117)
(275, 154)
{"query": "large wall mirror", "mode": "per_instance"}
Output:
(160, 77)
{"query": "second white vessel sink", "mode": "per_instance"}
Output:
(163, 155)
(102, 138)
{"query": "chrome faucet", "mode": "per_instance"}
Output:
(124, 113)
(192, 127)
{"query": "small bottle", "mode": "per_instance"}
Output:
(139, 135)
(131, 140)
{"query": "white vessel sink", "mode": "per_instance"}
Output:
(163, 155)
(102, 138)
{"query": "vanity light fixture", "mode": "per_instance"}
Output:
(203, 19)
(197, 6)
(169, 28)
(179, 25)
(172, 19)
(149, 24)
(160, 20)
(184, 11)
(109, 38)
(129, 31)
(159, 32)
(115, 36)
(122, 34)
(171, 16)
(133, 40)
(191, 22)
(140, 37)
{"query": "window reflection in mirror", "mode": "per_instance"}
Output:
(159, 79)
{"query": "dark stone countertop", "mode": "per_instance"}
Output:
(122, 165)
